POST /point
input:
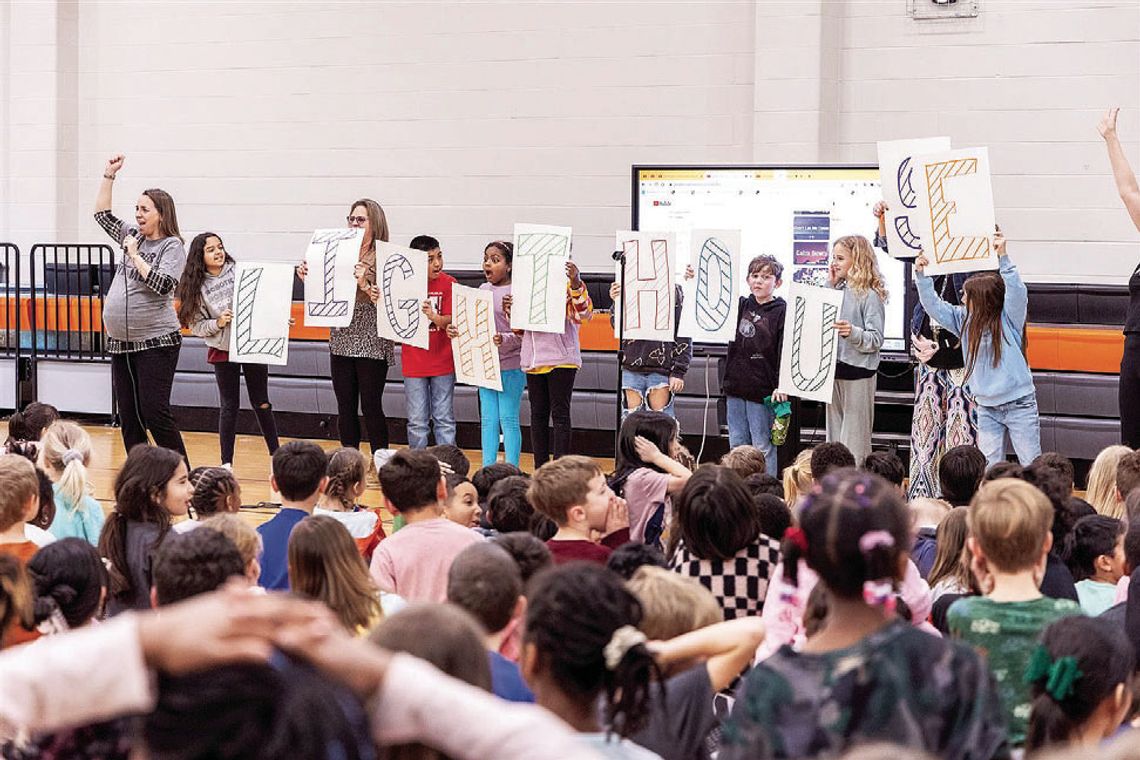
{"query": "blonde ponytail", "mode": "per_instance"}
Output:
(66, 450)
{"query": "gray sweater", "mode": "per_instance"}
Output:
(867, 314)
(138, 312)
(217, 296)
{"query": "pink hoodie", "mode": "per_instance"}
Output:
(541, 349)
(783, 613)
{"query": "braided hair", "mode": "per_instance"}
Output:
(581, 620)
(214, 487)
(346, 470)
(69, 582)
(853, 529)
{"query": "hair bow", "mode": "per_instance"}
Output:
(874, 539)
(1060, 675)
(622, 640)
(796, 535)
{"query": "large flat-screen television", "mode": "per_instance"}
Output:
(794, 213)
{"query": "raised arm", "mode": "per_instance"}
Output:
(949, 316)
(1016, 304)
(1126, 183)
(103, 197)
(727, 648)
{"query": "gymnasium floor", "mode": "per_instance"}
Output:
(251, 464)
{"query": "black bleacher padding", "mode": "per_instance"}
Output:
(1078, 438)
(1102, 305)
(1043, 384)
(1081, 395)
(1053, 304)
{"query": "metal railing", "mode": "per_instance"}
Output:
(67, 285)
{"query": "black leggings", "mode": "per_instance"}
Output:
(142, 381)
(1130, 392)
(228, 376)
(550, 403)
(359, 384)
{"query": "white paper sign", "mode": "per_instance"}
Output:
(476, 355)
(709, 308)
(811, 344)
(330, 286)
(648, 292)
(897, 178)
(538, 274)
(263, 298)
(402, 274)
(955, 210)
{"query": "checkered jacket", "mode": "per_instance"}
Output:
(740, 583)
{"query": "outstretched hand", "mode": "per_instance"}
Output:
(1107, 124)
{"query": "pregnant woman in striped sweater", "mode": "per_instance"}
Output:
(205, 302)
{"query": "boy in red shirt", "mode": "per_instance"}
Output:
(572, 491)
(429, 375)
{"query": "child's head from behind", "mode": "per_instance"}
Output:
(30, 423)
(451, 458)
(571, 490)
(950, 558)
(485, 478)
(485, 581)
(656, 427)
(829, 456)
(530, 553)
(508, 509)
(798, 478)
(1059, 464)
(66, 451)
(672, 604)
(346, 472)
(244, 536)
(854, 531)
(444, 635)
(715, 514)
(627, 559)
(774, 515)
(1102, 492)
(960, 473)
(193, 563)
(1127, 474)
(763, 483)
(462, 504)
(1080, 680)
(324, 564)
(582, 640)
(411, 481)
(70, 582)
(216, 491)
(745, 461)
(887, 465)
(19, 490)
(1095, 549)
(1010, 525)
(927, 512)
(299, 471)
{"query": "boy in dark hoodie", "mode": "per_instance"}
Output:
(752, 367)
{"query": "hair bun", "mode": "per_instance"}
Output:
(71, 455)
(64, 594)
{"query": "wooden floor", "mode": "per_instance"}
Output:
(251, 464)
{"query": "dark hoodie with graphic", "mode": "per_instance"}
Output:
(752, 368)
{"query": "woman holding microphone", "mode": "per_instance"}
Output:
(139, 321)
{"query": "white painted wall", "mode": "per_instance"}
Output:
(265, 120)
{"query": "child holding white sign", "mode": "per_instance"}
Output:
(851, 413)
(992, 327)
(429, 374)
(499, 410)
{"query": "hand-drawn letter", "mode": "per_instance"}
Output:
(810, 350)
(539, 274)
(708, 311)
(896, 175)
(403, 289)
(955, 202)
(476, 355)
(263, 295)
(648, 285)
(330, 287)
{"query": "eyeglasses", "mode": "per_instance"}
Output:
(356, 219)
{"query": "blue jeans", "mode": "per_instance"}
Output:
(430, 399)
(1018, 418)
(501, 411)
(750, 424)
(642, 383)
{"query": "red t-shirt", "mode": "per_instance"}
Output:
(574, 551)
(437, 359)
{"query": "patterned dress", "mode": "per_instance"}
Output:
(898, 685)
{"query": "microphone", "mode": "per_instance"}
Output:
(618, 255)
(132, 231)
